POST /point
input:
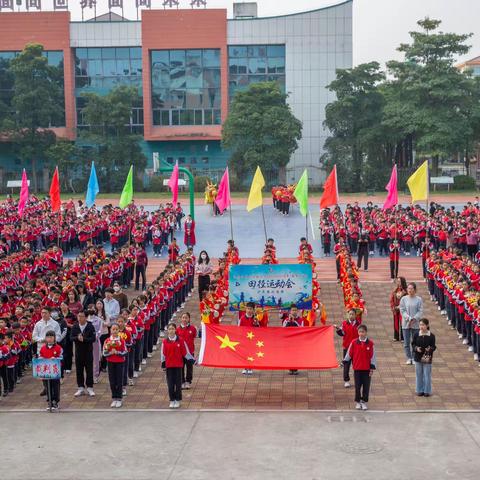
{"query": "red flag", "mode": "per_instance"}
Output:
(271, 348)
(55, 192)
(223, 197)
(330, 190)
(391, 188)
(23, 194)
(173, 184)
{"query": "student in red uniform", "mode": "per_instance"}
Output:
(173, 251)
(349, 331)
(174, 351)
(51, 349)
(4, 356)
(361, 353)
(187, 333)
(115, 351)
(394, 258)
(293, 320)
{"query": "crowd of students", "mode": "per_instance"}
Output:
(282, 196)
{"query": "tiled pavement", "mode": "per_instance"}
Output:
(456, 377)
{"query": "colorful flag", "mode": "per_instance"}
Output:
(55, 200)
(272, 348)
(127, 192)
(23, 194)
(223, 199)
(330, 190)
(418, 183)
(301, 193)
(92, 189)
(255, 198)
(391, 188)
(173, 184)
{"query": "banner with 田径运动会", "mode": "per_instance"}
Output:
(270, 286)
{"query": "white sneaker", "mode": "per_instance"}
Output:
(144, 361)
(443, 312)
(475, 356)
(470, 349)
(154, 348)
(176, 404)
(184, 386)
(465, 341)
(90, 392)
(449, 322)
(113, 404)
(364, 406)
(347, 385)
(162, 334)
(79, 392)
(131, 382)
(172, 405)
(249, 372)
(358, 405)
(460, 335)
(68, 371)
(124, 392)
(408, 362)
(95, 380)
(244, 371)
(118, 404)
(139, 369)
(188, 385)
(135, 374)
(149, 355)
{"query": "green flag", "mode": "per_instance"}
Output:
(127, 192)
(301, 193)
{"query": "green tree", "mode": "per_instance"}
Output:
(36, 102)
(114, 147)
(429, 99)
(261, 130)
(352, 118)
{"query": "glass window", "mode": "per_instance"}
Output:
(194, 77)
(257, 51)
(170, 160)
(161, 78)
(177, 78)
(122, 53)
(136, 67)
(198, 120)
(54, 58)
(257, 65)
(211, 78)
(94, 53)
(217, 117)
(161, 57)
(205, 160)
(194, 58)
(193, 98)
(208, 117)
(123, 67)
(165, 117)
(135, 52)
(109, 67)
(176, 99)
(175, 117)
(177, 59)
(94, 68)
(193, 160)
(181, 160)
(81, 53)
(276, 65)
(108, 53)
(237, 51)
(211, 58)
(276, 50)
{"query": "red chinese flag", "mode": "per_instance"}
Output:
(55, 192)
(330, 190)
(268, 348)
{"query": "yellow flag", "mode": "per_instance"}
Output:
(255, 198)
(418, 183)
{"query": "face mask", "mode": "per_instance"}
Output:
(117, 289)
(203, 256)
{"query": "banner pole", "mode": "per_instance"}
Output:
(231, 221)
(264, 224)
(306, 226)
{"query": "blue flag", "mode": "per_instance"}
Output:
(92, 188)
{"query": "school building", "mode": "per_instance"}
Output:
(187, 65)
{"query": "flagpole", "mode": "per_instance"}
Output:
(306, 226)
(231, 221)
(58, 228)
(264, 224)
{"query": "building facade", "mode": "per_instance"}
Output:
(187, 65)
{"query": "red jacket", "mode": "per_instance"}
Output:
(188, 335)
(173, 352)
(349, 332)
(55, 351)
(244, 321)
(117, 344)
(362, 355)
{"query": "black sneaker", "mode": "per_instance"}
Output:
(43, 392)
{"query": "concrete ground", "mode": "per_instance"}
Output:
(239, 445)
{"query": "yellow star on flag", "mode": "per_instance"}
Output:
(226, 342)
(250, 359)
(259, 344)
(260, 354)
(250, 335)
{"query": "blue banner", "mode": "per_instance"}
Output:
(274, 286)
(47, 368)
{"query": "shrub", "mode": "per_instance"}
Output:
(463, 182)
(200, 183)
(156, 184)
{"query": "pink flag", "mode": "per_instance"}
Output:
(391, 188)
(223, 197)
(23, 194)
(173, 184)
